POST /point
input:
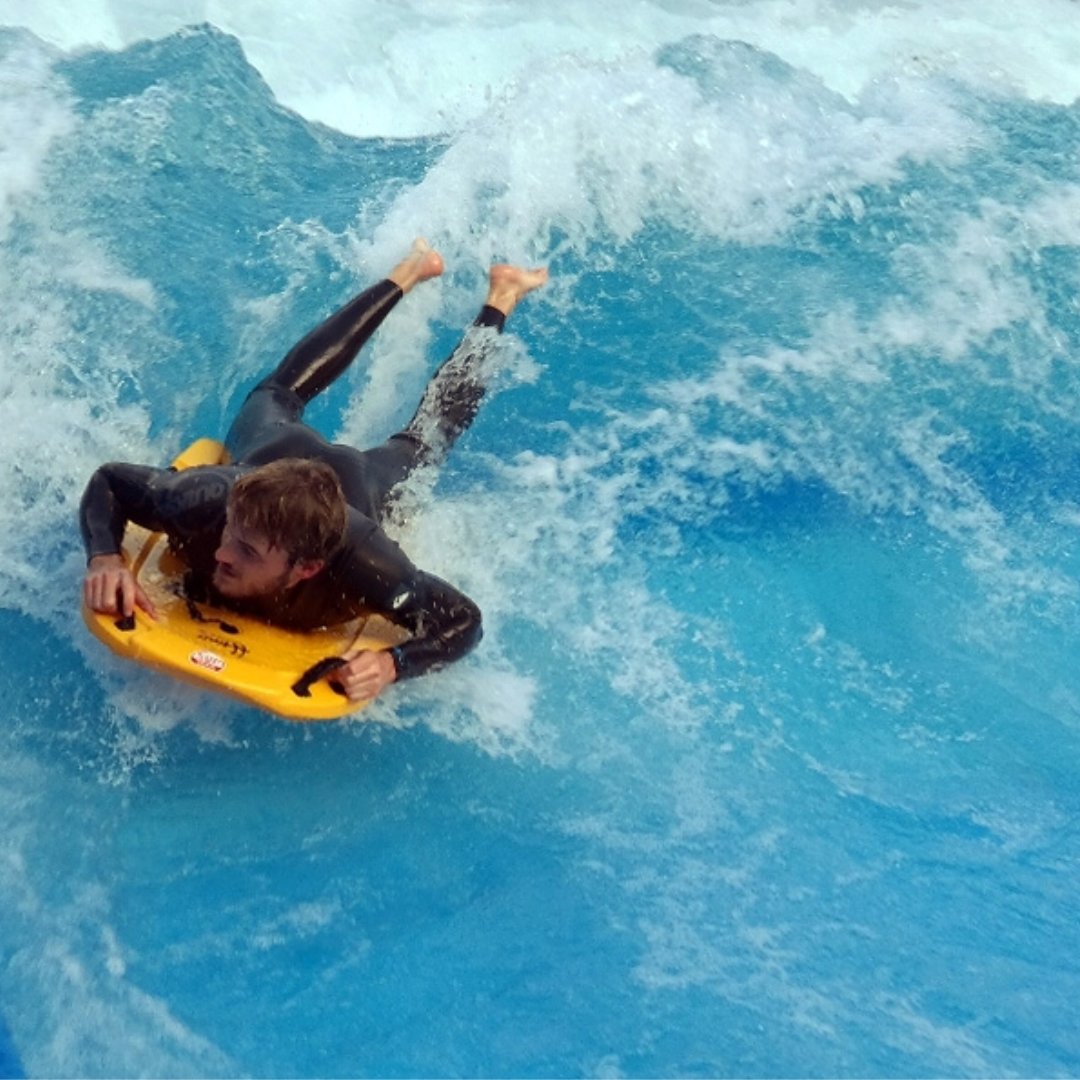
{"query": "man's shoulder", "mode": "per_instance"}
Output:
(360, 526)
(368, 554)
(197, 491)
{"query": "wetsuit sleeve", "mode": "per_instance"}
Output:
(179, 503)
(445, 624)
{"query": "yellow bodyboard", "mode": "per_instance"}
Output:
(282, 671)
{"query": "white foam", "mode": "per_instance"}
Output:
(425, 66)
(964, 290)
(33, 116)
(622, 143)
(50, 434)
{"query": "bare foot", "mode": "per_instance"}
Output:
(510, 283)
(421, 263)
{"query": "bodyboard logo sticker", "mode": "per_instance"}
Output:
(236, 649)
(204, 658)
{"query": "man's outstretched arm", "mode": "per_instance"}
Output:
(158, 499)
(444, 623)
(107, 505)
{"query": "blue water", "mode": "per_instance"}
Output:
(766, 765)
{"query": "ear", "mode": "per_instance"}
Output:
(301, 571)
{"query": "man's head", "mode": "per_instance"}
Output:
(282, 522)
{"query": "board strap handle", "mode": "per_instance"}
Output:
(125, 622)
(317, 671)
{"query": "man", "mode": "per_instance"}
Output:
(290, 530)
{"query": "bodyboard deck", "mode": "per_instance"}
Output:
(279, 670)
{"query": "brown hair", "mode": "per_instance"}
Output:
(297, 504)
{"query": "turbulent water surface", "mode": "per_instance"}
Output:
(766, 765)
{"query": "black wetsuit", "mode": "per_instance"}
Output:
(369, 572)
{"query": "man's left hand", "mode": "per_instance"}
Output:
(365, 674)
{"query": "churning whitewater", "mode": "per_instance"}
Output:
(766, 763)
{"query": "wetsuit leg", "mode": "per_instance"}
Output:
(449, 405)
(273, 411)
(452, 398)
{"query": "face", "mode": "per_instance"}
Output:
(248, 566)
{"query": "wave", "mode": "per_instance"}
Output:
(772, 518)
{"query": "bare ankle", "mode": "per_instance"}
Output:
(421, 263)
(508, 284)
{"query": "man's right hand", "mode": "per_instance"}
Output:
(110, 588)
